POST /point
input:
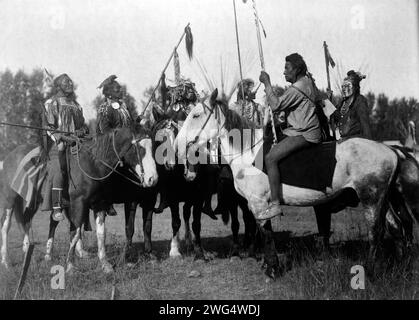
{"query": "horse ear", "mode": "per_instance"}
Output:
(214, 96)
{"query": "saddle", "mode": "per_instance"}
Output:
(311, 168)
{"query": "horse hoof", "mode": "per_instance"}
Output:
(200, 257)
(107, 267)
(47, 258)
(83, 254)
(150, 257)
(270, 273)
(175, 254)
(235, 252)
(5, 265)
(70, 269)
(235, 259)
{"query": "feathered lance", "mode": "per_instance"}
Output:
(189, 48)
(329, 61)
(262, 60)
(34, 128)
(238, 52)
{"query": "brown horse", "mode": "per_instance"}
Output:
(363, 166)
(90, 166)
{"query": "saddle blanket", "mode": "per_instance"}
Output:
(310, 168)
(29, 176)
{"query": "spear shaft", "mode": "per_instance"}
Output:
(164, 70)
(34, 128)
(238, 51)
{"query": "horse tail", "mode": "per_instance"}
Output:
(406, 180)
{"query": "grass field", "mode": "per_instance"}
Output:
(313, 274)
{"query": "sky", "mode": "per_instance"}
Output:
(133, 39)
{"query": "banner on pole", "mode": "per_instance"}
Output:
(329, 58)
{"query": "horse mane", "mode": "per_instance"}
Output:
(233, 120)
(100, 144)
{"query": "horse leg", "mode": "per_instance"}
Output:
(375, 233)
(74, 236)
(147, 227)
(6, 222)
(83, 254)
(101, 237)
(235, 226)
(249, 228)
(26, 241)
(176, 222)
(270, 255)
(186, 217)
(50, 242)
(323, 217)
(196, 228)
(130, 210)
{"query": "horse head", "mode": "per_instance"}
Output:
(134, 146)
(205, 122)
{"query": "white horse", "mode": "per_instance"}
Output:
(365, 166)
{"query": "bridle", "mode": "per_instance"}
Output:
(212, 110)
(216, 109)
(119, 163)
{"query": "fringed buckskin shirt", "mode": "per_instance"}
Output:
(64, 114)
(112, 115)
(300, 111)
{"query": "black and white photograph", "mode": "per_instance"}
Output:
(209, 156)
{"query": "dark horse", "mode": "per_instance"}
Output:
(174, 182)
(90, 165)
(194, 185)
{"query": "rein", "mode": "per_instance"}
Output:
(119, 162)
(216, 109)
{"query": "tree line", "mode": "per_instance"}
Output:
(22, 102)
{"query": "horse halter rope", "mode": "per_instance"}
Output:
(119, 162)
(217, 110)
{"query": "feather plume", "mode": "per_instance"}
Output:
(107, 81)
(189, 42)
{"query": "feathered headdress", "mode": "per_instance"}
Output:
(107, 81)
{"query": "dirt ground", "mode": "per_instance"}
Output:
(312, 274)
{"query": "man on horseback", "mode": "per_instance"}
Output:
(300, 125)
(245, 104)
(112, 113)
(63, 113)
(351, 117)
